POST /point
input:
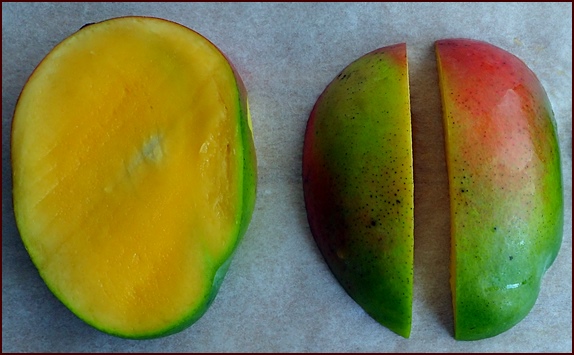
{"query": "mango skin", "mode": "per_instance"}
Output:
(358, 184)
(505, 182)
(248, 186)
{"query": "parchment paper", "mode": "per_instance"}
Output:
(279, 295)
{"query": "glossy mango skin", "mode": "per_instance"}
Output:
(505, 185)
(247, 184)
(358, 184)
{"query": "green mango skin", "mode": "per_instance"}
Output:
(505, 185)
(358, 184)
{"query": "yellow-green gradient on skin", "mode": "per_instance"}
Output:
(134, 173)
(358, 184)
(505, 185)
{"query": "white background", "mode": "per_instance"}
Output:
(279, 295)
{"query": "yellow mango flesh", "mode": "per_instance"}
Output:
(128, 163)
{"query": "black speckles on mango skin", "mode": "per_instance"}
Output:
(358, 184)
(505, 185)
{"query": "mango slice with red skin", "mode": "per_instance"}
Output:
(358, 184)
(505, 184)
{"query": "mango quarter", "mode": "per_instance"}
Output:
(358, 184)
(505, 185)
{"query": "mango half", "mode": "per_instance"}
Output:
(505, 181)
(358, 184)
(134, 173)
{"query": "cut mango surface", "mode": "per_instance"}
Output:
(134, 173)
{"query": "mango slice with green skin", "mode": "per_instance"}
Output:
(134, 173)
(358, 184)
(505, 185)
